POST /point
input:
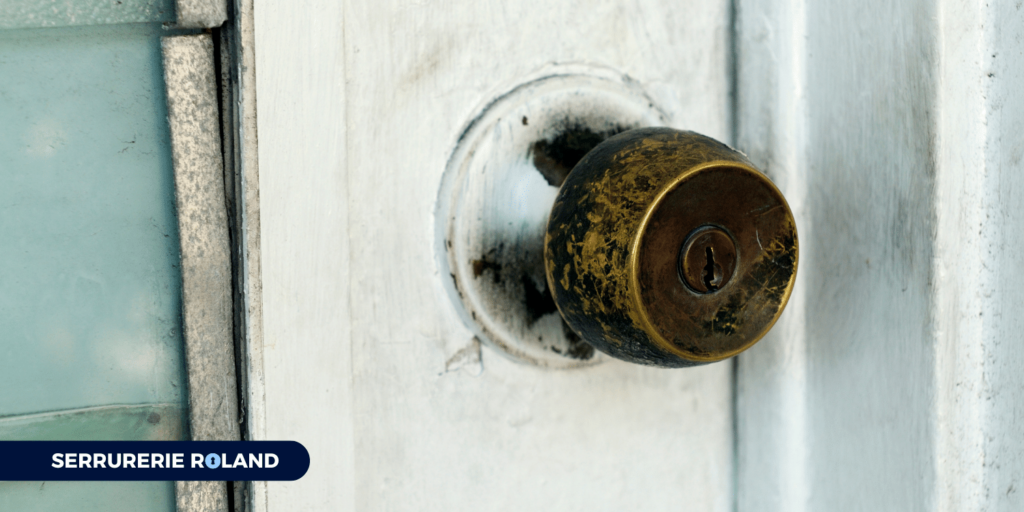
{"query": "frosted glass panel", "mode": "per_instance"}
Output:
(89, 284)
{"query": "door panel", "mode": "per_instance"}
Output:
(360, 107)
(891, 382)
(894, 132)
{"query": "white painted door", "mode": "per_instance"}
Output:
(896, 130)
(892, 381)
(361, 105)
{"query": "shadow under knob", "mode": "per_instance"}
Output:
(669, 248)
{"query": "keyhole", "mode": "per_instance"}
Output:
(710, 280)
(707, 260)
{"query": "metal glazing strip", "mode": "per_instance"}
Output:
(69, 13)
(205, 254)
(200, 13)
(241, 29)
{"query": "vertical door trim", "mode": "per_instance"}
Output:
(207, 308)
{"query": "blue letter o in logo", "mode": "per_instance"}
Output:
(213, 461)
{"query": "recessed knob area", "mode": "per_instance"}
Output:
(669, 248)
(497, 192)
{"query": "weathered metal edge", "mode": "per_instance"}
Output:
(241, 176)
(249, 275)
(22, 14)
(207, 308)
(200, 13)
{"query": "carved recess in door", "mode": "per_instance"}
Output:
(497, 192)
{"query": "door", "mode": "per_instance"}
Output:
(890, 381)
(365, 358)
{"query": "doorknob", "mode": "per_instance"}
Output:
(669, 248)
(659, 246)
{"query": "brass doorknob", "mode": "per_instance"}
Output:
(669, 248)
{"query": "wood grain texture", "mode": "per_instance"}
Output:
(892, 131)
(360, 106)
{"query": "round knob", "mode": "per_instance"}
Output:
(669, 248)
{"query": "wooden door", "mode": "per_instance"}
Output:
(890, 383)
(361, 105)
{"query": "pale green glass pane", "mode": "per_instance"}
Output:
(87, 496)
(158, 422)
(89, 284)
(63, 13)
(150, 422)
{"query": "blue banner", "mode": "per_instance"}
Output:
(152, 460)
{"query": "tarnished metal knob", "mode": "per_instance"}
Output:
(669, 248)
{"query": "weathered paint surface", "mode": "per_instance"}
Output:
(360, 106)
(978, 281)
(241, 171)
(238, 116)
(893, 380)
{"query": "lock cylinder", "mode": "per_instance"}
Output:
(669, 248)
